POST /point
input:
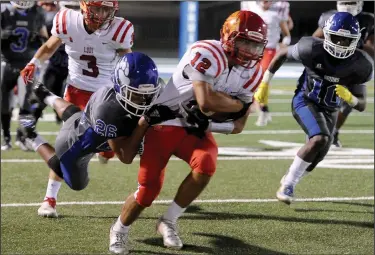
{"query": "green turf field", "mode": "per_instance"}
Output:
(236, 214)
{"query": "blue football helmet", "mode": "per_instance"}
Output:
(136, 82)
(341, 35)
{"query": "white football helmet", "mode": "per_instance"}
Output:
(353, 7)
(69, 5)
(23, 4)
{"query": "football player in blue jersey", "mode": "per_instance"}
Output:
(335, 71)
(115, 118)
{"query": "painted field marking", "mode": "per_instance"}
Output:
(201, 201)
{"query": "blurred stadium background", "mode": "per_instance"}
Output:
(334, 215)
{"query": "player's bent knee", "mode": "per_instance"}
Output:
(145, 195)
(206, 164)
(69, 112)
(78, 185)
(319, 141)
(54, 164)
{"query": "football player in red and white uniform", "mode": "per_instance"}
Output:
(212, 76)
(94, 38)
(276, 16)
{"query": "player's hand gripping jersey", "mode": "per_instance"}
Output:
(206, 61)
(91, 56)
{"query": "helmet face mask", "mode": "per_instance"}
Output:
(23, 4)
(98, 14)
(353, 7)
(136, 90)
(243, 38)
(341, 35)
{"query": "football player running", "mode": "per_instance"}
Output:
(94, 38)
(23, 31)
(276, 16)
(366, 43)
(334, 71)
(112, 120)
(213, 77)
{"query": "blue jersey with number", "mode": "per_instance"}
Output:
(323, 72)
(20, 34)
(104, 118)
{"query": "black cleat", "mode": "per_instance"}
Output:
(336, 141)
(40, 92)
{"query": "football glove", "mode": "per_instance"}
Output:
(158, 113)
(193, 115)
(346, 95)
(262, 93)
(27, 73)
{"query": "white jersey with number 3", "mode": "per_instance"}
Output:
(92, 57)
(279, 11)
(206, 61)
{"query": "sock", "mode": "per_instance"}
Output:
(52, 189)
(174, 212)
(49, 100)
(5, 122)
(296, 171)
(119, 227)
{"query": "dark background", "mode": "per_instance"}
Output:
(157, 23)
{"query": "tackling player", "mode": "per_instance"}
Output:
(22, 33)
(334, 71)
(218, 76)
(276, 16)
(366, 43)
(111, 121)
(94, 38)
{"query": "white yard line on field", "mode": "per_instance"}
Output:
(200, 201)
(255, 132)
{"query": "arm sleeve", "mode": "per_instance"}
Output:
(293, 52)
(124, 35)
(205, 63)
(60, 24)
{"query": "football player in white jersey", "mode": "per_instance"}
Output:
(212, 77)
(94, 38)
(276, 16)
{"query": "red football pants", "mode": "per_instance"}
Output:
(161, 142)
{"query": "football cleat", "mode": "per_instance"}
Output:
(168, 230)
(6, 146)
(48, 208)
(285, 194)
(336, 141)
(40, 92)
(102, 160)
(118, 242)
(263, 119)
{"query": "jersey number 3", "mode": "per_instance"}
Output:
(201, 66)
(91, 63)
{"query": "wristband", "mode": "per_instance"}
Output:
(267, 77)
(35, 61)
(286, 40)
(223, 128)
(354, 101)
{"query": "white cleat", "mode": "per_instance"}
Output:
(263, 119)
(102, 160)
(118, 242)
(48, 208)
(169, 232)
(285, 194)
(6, 147)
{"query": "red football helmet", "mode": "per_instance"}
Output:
(98, 14)
(244, 36)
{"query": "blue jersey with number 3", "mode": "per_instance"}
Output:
(323, 72)
(20, 29)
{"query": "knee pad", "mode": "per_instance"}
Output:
(205, 164)
(69, 111)
(146, 194)
(346, 109)
(54, 164)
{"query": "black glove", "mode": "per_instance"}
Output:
(158, 113)
(27, 126)
(196, 118)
